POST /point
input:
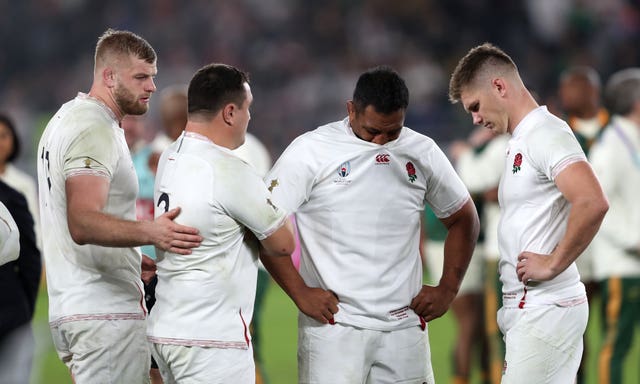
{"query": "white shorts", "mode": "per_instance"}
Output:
(543, 343)
(473, 279)
(191, 365)
(341, 354)
(104, 351)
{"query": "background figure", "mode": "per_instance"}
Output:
(134, 132)
(551, 207)
(10, 149)
(479, 161)
(616, 160)
(257, 155)
(173, 119)
(9, 236)
(467, 307)
(19, 282)
(580, 101)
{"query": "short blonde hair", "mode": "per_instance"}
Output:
(476, 61)
(115, 43)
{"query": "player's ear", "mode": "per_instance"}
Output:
(499, 85)
(228, 112)
(351, 109)
(109, 77)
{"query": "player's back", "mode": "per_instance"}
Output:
(215, 285)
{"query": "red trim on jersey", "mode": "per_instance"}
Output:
(423, 324)
(144, 309)
(522, 300)
(246, 330)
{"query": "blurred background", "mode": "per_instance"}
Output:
(304, 58)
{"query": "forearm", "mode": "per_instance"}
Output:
(284, 273)
(100, 228)
(458, 247)
(584, 221)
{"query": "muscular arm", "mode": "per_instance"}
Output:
(582, 190)
(463, 227)
(88, 224)
(317, 303)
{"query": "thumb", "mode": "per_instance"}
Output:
(172, 214)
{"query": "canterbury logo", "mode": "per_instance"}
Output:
(383, 158)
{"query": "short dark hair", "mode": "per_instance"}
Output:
(622, 91)
(472, 63)
(214, 86)
(114, 42)
(382, 88)
(6, 120)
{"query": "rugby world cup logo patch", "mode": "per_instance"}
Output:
(344, 169)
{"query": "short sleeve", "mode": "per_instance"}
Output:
(552, 149)
(291, 178)
(93, 151)
(9, 236)
(245, 197)
(446, 193)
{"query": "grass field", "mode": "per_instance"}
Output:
(280, 337)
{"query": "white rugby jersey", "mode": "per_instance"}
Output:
(206, 298)
(616, 161)
(534, 213)
(358, 207)
(87, 281)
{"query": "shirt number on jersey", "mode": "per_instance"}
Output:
(164, 198)
(44, 156)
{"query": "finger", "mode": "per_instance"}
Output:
(179, 251)
(190, 241)
(183, 229)
(173, 213)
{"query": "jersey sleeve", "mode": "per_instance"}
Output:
(291, 178)
(552, 149)
(93, 151)
(446, 193)
(245, 197)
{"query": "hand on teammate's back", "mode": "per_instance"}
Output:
(173, 237)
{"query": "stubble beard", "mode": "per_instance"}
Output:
(128, 102)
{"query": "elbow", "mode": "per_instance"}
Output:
(602, 207)
(78, 234)
(285, 249)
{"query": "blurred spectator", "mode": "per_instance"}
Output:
(616, 161)
(22, 182)
(579, 96)
(19, 280)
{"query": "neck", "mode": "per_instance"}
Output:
(588, 113)
(214, 131)
(107, 99)
(522, 106)
(634, 118)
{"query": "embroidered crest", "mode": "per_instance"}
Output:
(517, 162)
(274, 183)
(411, 172)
